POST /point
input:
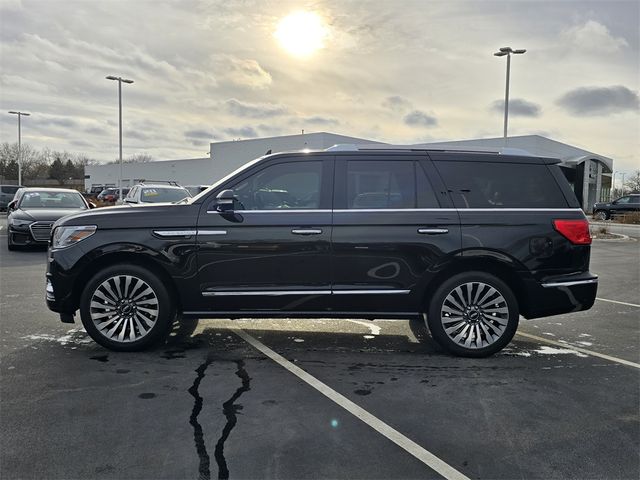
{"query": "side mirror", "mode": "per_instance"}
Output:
(615, 202)
(92, 205)
(129, 200)
(224, 201)
(12, 205)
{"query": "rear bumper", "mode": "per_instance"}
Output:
(557, 295)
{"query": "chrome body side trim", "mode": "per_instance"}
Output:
(570, 283)
(277, 293)
(371, 292)
(174, 233)
(211, 232)
(270, 293)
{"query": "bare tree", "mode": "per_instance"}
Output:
(633, 184)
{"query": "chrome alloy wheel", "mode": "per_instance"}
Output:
(124, 308)
(474, 315)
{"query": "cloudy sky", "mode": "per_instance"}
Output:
(398, 71)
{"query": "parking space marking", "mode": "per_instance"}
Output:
(426, 457)
(579, 349)
(616, 301)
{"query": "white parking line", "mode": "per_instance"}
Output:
(426, 457)
(616, 301)
(579, 349)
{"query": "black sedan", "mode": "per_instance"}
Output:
(34, 210)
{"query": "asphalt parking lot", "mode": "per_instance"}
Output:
(323, 398)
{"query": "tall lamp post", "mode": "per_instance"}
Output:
(20, 114)
(119, 80)
(508, 51)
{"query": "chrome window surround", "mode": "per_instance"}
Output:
(369, 210)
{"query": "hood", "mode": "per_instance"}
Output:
(154, 215)
(45, 214)
(602, 204)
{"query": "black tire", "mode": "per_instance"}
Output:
(600, 215)
(490, 320)
(113, 301)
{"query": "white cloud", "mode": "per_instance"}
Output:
(593, 36)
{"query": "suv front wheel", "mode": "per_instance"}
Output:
(126, 308)
(473, 314)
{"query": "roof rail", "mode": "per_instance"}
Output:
(347, 147)
(144, 181)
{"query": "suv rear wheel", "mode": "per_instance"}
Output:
(126, 308)
(600, 215)
(473, 314)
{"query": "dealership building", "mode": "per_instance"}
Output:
(589, 173)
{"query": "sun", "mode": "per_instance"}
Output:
(302, 33)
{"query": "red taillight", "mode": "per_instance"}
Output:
(576, 231)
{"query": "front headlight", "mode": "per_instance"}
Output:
(16, 222)
(67, 236)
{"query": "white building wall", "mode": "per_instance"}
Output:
(225, 158)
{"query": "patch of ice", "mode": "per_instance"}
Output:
(375, 329)
(544, 350)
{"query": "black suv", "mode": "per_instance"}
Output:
(466, 241)
(620, 206)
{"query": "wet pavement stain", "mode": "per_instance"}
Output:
(230, 410)
(198, 435)
(122, 370)
(362, 392)
(147, 395)
(173, 354)
(100, 358)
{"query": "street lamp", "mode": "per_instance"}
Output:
(120, 80)
(508, 51)
(19, 114)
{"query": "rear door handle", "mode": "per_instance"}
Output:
(306, 231)
(433, 231)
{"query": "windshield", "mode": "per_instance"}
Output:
(224, 179)
(160, 194)
(52, 200)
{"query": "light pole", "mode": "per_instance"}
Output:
(120, 80)
(508, 51)
(20, 114)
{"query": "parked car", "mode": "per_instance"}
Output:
(156, 193)
(620, 206)
(111, 195)
(34, 210)
(469, 241)
(7, 192)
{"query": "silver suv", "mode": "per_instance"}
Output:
(156, 193)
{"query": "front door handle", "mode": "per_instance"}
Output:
(433, 231)
(306, 231)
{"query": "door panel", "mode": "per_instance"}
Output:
(273, 255)
(382, 254)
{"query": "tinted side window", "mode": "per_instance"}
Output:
(9, 190)
(635, 200)
(284, 185)
(381, 184)
(623, 200)
(426, 195)
(501, 185)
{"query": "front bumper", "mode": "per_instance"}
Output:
(23, 237)
(558, 295)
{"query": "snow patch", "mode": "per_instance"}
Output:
(298, 340)
(368, 337)
(584, 335)
(586, 344)
(544, 350)
(548, 333)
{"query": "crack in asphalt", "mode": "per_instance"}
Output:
(230, 411)
(198, 435)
